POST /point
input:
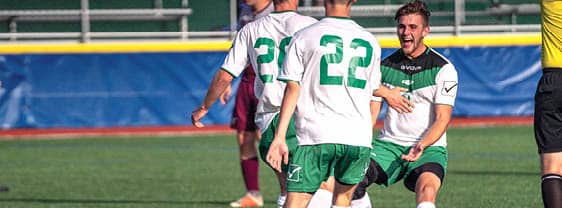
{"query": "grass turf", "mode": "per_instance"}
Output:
(488, 167)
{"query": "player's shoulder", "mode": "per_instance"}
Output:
(303, 19)
(356, 30)
(296, 22)
(440, 62)
(437, 58)
(250, 26)
(307, 30)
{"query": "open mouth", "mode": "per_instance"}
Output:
(406, 42)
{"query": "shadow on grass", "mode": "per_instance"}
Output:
(103, 201)
(500, 173)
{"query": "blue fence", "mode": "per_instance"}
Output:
(99, 89)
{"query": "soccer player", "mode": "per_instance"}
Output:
(548, 105)
(262, 44)
(243, 115)
(331, 70)
(412, 146)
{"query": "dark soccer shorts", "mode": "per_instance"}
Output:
(548, 111)
(244, 108)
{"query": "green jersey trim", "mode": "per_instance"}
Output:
(284, 11)
(286, 80)
(338, 17)
(227, 71)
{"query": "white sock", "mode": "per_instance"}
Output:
(334, 206)
(426, 204)
(281, 201)
(322, 198)
(363, 202)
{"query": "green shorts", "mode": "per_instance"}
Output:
(388, 156)
(269, 134)
(312, 164)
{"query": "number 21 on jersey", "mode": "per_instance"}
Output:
(268, 57)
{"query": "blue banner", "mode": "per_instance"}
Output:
(103, 90)
(162, 88)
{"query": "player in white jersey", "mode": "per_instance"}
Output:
(244, 112)
(262, 44)
(331, 70)
(412, 147)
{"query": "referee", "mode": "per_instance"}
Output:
(548, 105)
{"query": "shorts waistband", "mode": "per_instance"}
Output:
(550, 70)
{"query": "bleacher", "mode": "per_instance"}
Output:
(87, 20)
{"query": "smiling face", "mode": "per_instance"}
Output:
(411, 31)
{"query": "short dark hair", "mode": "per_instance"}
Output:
(338, 1)
(414, 7)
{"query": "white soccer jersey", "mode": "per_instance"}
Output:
(263, 43)
(337, 63)
(430, 79)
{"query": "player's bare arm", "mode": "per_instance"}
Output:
(278, 151)
(394, 98)
(375, 110)
(220, 82)
(437, 129)
(226, 95)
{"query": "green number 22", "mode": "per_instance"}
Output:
(337, 57)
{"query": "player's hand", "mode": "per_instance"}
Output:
(225, 96)
(197, 115)
(396, 101)
(414, 154)
(278, 153)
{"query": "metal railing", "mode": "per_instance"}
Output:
(460, 14)
(86, 16)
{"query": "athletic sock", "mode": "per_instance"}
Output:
(363, 202)
(426, 204)
(250, 174)
(281, 201)
(322, 198)
(551, 187)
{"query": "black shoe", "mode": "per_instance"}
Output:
(4, 189)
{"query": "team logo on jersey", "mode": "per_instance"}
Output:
(294, 172)
(449, 88)
(410, 68)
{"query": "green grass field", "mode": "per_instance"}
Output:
(488, 167)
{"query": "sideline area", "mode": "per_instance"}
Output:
(215, 129)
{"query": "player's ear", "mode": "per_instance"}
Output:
(425, 31)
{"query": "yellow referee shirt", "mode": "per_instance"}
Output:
(551, 33)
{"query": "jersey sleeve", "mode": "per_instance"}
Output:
(293, 67)
(376, 99)
(447, 84)
(237, 58)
